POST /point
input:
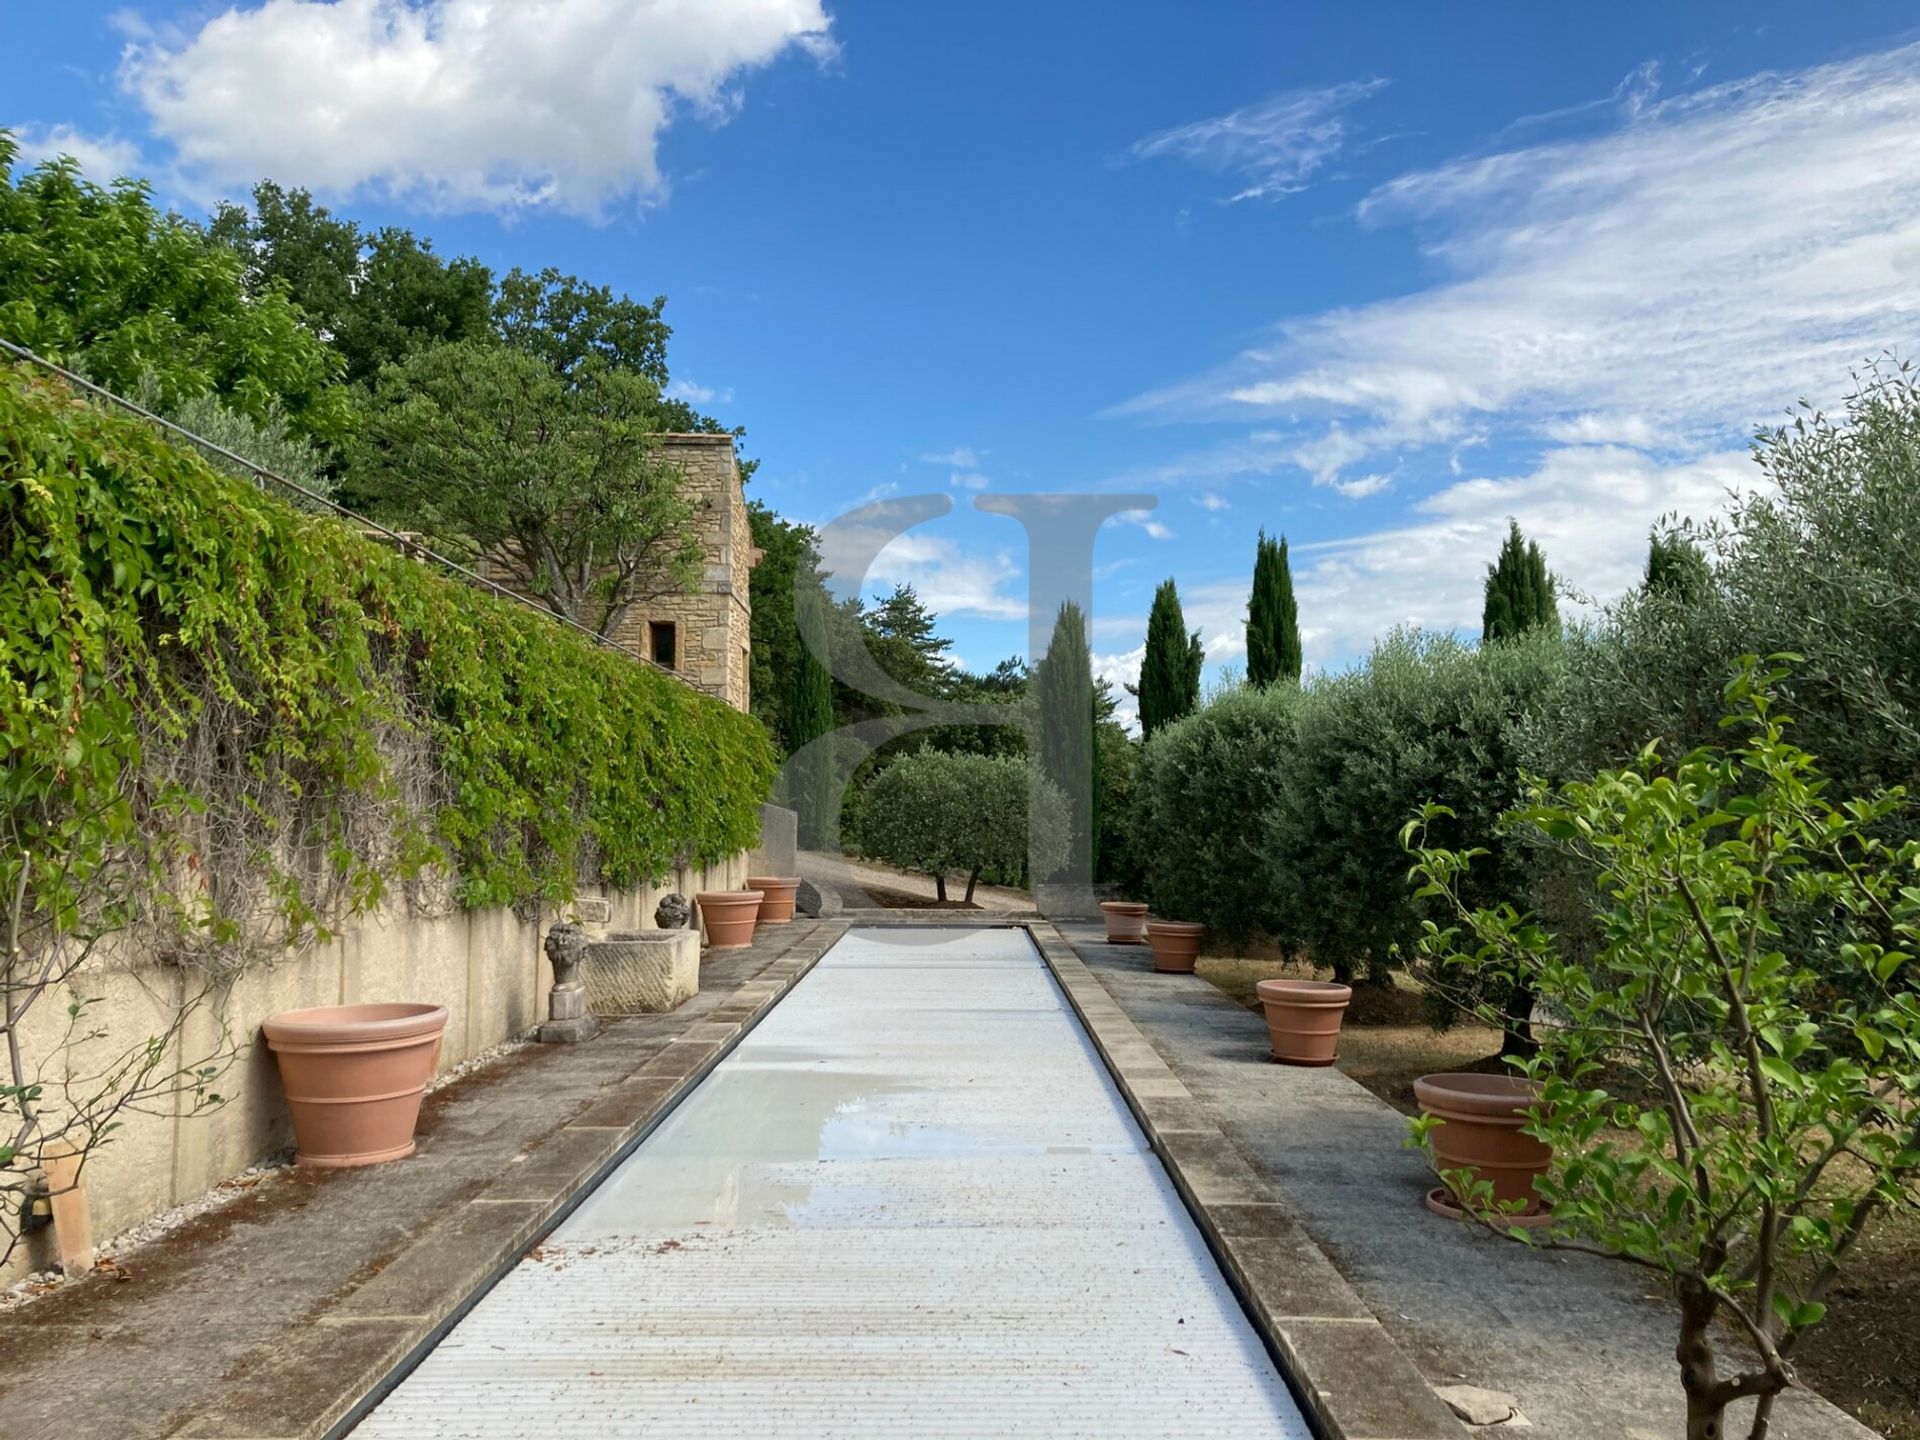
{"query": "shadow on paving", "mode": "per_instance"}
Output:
(1584, 1344)
(145, 1349)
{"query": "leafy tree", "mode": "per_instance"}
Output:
(810, 776)
(1519, 590)
(377, 297)
(554, 479)
(789, 565)
(1170, 671)
(1064, 720)
(1820, 560)
(904, 638)
(99, 279)
(1677, 568)
(940, 813)
(1273, 619)
(1716, 1115)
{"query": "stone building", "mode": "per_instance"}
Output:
(701, 634)
(704, 635)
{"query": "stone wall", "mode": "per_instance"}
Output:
(485, 966)
(711, 624)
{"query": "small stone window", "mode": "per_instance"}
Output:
(660, 642)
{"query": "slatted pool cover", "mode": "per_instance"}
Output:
(911, 1203)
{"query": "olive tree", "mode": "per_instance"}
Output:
(1719, 1110)
(941, 813)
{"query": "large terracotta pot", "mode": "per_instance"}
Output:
(729, 916)
(777, 908)
(1303, 1018)
(1176, 944)
(1481, 1116)
(354, 1075)
(1126, 921)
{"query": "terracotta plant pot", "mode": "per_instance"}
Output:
(1481, 1116)
(729, 916)
(1126, 921)
(1176, 944)
(354, 1075)
(777, 908)
(1303, 1018)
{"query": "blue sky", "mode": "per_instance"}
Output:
(1376, 276)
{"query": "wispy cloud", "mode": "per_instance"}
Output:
(695, 393)
(102, 158)
(961, 457)
(1270, 148)
(1689, 271)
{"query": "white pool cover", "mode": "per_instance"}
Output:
(910, 1203)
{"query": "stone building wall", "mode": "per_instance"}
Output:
(711, 646)
(711, 623)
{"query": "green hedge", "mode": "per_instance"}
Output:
(182, 654)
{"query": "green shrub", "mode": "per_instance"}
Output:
(1276, 810)
(1202, 789)
(942, 813)
(1425, 719)
(294, 712)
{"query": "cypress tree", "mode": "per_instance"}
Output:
(1063, 691)
(809, 716)
(1273, 619)
(1519, 590)
(1170, 670)
(1676, 567)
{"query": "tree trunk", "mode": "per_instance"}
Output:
(1698, 1376)
(1517, 1017)
(940, 885)
(972, 880)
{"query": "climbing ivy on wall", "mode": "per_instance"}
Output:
(285, 716)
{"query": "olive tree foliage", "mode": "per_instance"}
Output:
(1201, 791)
(943, 814)
(1820, 559)
(267, 440)
(554, 478)
(1716, 1114)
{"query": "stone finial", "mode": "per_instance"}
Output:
(566, 947)
(673, 912)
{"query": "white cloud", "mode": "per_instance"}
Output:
(457, 104)
(103, 158)
(1207, 500)
(1270, 148)
(1362, 486)
(949, 578)
(1121, 671)
(695, 393)
(1591, 509)
(962, 457)
(1689, 272)
(968, 480)
(1144, 519)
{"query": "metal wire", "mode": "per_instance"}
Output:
(407, 545)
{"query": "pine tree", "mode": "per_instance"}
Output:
(1519, 590)
(1170, 671)
(1273, 619)
(1063, 691)
(809, 716)
(1675, 567)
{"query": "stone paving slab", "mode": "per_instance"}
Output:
(1584, 1344)
(1344, 1367)
(273, 1316)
